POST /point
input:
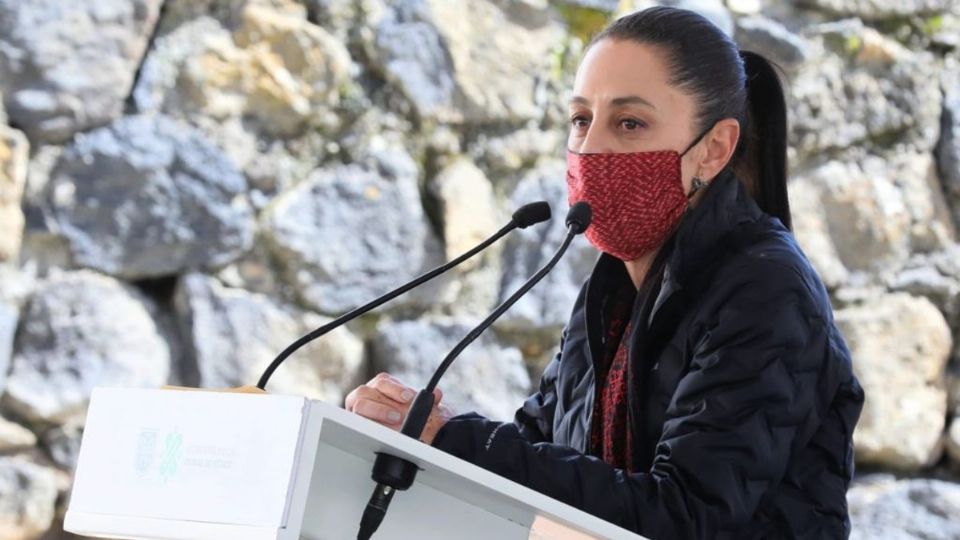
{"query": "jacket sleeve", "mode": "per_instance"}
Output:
(748, 399)
(534, 420)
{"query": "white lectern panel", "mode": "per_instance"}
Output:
(166, 464)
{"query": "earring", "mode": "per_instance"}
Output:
(698, 184)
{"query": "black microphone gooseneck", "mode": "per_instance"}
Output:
(525, 216)
(392, 473)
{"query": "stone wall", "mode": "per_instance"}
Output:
(188, 185)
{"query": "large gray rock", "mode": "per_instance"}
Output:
(883, 507)
(467, 208)
(900, 346)
(27, 506)
(232, 335)
(173, 201)
(14, 155)
(469, 215)
(488, 377)
(812, 230)
(68, 66)
(78, 331)
(350, 233)
(468, 61)
(546, 308)
(879, 9)
(867, 220)
(863, 89)
(264, 63)
(869, 213)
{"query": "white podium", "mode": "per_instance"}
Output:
(167, 464)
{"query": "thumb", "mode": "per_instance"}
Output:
(437, 395)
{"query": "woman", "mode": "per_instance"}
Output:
(702, 389)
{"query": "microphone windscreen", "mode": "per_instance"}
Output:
(531, 214)
(579, 216)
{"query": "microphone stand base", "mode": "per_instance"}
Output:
(395, 472)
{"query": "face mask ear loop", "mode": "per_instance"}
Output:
(698, 183)
(697, 140)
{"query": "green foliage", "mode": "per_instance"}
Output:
(852, 44)
(558, 61)
(912, 31)
(583, 22)
(846, 43)
(886, 139)
(932, 25)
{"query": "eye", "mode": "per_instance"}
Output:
(579, 122)
(631, 124)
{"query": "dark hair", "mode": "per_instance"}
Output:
(726, 83)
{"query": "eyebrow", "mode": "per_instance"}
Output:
(616, 102)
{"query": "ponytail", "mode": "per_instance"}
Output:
(761, 159)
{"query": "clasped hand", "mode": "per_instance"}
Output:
(385, 400)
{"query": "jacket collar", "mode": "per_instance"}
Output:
(705, 232)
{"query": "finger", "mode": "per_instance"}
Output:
(442, 411)
(351, 399)
(438, 417)
(367, 393)
(392, 388)
(377, 411)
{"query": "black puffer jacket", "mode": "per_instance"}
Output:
(742, 399)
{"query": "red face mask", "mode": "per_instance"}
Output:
(637, 198)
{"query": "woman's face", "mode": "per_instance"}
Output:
(623, 102)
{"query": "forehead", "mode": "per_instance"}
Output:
(614, 67)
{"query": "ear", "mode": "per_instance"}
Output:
(719, 145)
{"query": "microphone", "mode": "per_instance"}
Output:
(525, 216)
(392, 473)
